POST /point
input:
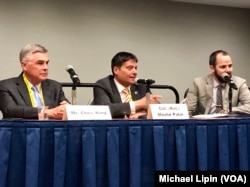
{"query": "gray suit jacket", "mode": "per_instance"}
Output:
(106, 93)
(200, 96)
(15, 101)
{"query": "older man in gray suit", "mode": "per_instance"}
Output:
(17, 97)
(201, 97)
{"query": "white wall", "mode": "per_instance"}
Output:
(171, 40)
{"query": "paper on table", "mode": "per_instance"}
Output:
(208, 116)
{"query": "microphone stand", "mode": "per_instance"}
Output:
(148, 94)
(73, 93)
(149, 114)
(230, 95)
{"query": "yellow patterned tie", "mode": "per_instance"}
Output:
(127, 97)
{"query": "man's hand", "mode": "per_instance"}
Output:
(138, 114)
(154, 99)
(57, 112)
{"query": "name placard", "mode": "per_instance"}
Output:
(169, 111)
(87, 112)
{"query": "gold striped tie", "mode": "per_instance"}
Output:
(126, 93)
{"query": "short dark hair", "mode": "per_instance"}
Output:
(120, 58)
(212, 57)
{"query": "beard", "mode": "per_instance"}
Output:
(220, 78)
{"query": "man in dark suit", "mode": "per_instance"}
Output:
(17, 99)
(109, 90)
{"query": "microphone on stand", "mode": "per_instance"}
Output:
(228, 79)
(74, 77)
(145, 81)
(76, 81)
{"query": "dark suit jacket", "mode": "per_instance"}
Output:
(106, 93)
(15, 101)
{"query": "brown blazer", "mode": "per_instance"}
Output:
(200, 96)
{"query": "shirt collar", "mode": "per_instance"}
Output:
(31, 85)
(216, 84)
(119, 86)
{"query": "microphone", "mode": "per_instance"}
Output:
(74, 77)
(145, 81)
(228, 79)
